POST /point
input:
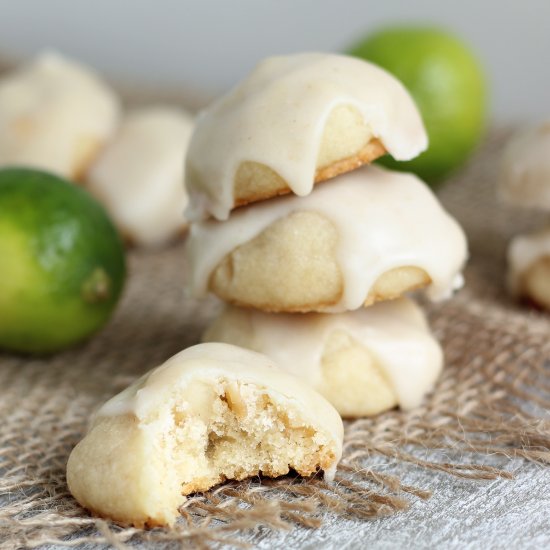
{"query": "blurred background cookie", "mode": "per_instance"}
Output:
(55, 114)
(139, 175)
(529, 267)
(524, 178)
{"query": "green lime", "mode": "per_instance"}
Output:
(448, 85)
(62, 265)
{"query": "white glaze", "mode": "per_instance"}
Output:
(213, 363)
(395, 333)
(525, 169)
(523, 252)
(384, 220)
(139, 176)
(50, 108)
(276, 116)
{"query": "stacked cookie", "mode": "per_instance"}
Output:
(343, 236)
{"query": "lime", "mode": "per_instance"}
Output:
(62, 264)
(448, 85)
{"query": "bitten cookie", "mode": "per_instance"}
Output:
(210, 413)
(366, 236)
(55, 115)
(364, 362)
(293, 122)
(139, 175)
(529, 267)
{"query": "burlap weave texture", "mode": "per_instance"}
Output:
(493, 397)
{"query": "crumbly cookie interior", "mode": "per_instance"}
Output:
(234, 430)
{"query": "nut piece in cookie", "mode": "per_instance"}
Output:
(525, 169)
(139, 175)
(293, 122)
(55, 115)
(210, 413)
(364, 362)
(364, 237)
(529, 267)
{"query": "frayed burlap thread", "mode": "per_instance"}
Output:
(492, 399)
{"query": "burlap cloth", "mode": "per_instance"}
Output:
(493, 398)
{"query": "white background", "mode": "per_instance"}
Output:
(203, 47)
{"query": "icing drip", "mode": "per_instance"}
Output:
(277, 115)
(394, 332)
(207, 365)
(384, 219)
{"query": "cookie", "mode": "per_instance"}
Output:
(529, 267)
(55, 115)
(210, 413)
(139, 175)
(293, 122)
(366, 236)
(364, 362)
(525, 169)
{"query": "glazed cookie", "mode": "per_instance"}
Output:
(55, 115)
(293, 122)
(210, 413)
(364, 362)
(366, 236)
(139, 175)
(529, 267)
(525, 170)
